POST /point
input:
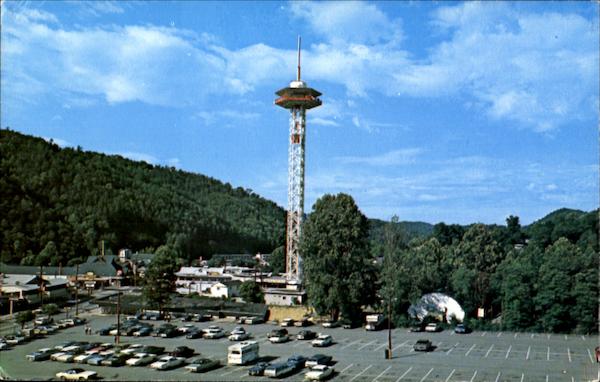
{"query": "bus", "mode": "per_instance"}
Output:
(242, 353)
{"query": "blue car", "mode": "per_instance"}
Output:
(96, 359)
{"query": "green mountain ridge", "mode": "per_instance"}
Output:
(57, 204)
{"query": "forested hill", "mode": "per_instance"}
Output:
(56, 204)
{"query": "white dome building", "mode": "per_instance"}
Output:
(437, 304)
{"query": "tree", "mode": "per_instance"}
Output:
(277, 260)
(24, 317)
(50, 309)
(250, 291)
(339, 272)
(159, 280)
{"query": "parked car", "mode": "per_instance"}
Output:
(186, 328)
(258, 369)
(287, 322)
(462, 329)
(64, 356)
(143, 331)
(167, 362)
(297, 361)
(83, 358)
(41, 355)
(238, 334)
(76, 374)
(202, 317)
(278, 370)
(106, 330)
(43, 320)
(194, 334)
(97, 359)
(322, 340)
(330, 324)
(423, 345)
(350, 324)
(115, 360)
(306, 335)
(140, 359)
(303, 322)
(417, 327)
(241, 319)
(213, 332)
(4, 346)
(318, 359)
(319, 373)
(182, 351)
(170, 333)
(14, 340)
(156, 350)
(200, 365)
(278, 336)
(253, 321)
(132, 349)
(433, 327)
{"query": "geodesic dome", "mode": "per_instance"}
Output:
(437, 304)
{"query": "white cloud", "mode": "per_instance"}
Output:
(537, 70)
(226, 115)
(391, 158)
(347, 21)
(58, 141)
(322, 122)
(136, 156)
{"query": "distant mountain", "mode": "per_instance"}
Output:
(577, 226)
(410, 229)
(56, 204)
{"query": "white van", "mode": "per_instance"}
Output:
(278, 370)
(242, 353)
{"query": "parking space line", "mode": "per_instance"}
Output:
(403, 375)
(229, 372)
(516, 335)
(367, 344)
(350, 344)
(471, 349)
(426, 375)
(402, 344)
(483, 334)
(359, 374)
(347, 367)
(547, 378)
(473, 377)
(532, 335)
(508, 351)
(583, 338)
(522, 377)
(382, 373)
(565, 337)
(380, 346)
(548, 354)
(489, 350)
(528, 350)
(548, 336)
(498, 377)
(590, 354)
(499, 334)
(569, 354)
(450, 376)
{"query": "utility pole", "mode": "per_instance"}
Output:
(389, 352)
(41, 286)
(118, 336)
(76, 291)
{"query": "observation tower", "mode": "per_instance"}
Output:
(297, 98)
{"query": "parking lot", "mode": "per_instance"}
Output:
(358, 355)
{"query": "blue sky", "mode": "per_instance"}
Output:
(432, 111)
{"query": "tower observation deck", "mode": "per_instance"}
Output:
(298, 98)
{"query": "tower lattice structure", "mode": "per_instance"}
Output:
(297, 98)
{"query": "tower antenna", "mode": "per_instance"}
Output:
(299, 47)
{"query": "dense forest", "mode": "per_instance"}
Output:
(542, 277)
(56, 204)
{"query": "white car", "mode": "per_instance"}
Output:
(213, 332)
(14, 340)
(186, 328)
(140, 359)
(433, 327)
(238, 334)
(287, 322)
(132, 349)
(82, 358)
(319, 373)
(322, 340)
(63, 356)
(279, 339)
(167, 362)
(76, 375)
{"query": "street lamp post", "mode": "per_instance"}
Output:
(389, 349)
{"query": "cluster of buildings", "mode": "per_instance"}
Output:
(30, 285)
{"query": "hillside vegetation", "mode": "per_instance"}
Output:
(56, 204)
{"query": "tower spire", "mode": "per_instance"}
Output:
(299, 49)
